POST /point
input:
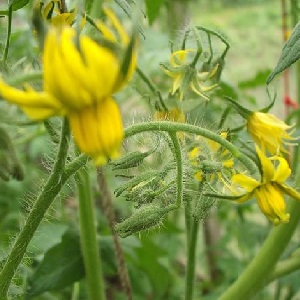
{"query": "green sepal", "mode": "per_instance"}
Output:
(129, 53)
(244, 112)
(224, 197)
(269, 106)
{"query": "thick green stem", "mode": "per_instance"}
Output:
(44, 200)
(256, 273)
(88, 236)
(191, 265)
(176, 127)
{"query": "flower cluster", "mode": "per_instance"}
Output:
(186, 76)
(80, 77)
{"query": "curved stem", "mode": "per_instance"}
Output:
(250, 281)
(88, 236)
(44, 200)
(175, 127)
(191, 266)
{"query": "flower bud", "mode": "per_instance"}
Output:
(145, 218)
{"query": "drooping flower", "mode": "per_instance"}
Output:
(79, 80)
(185, 76)
(269, 190)
(269, 132)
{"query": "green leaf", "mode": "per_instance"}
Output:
(16, 5)
(62, 265)
(289, 54)
(152, 8)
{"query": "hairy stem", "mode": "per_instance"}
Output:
(176, 127)
(44, 200)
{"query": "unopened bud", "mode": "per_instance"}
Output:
(144, 218)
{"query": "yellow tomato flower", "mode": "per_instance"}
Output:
(78, 83)
(269, 132)
(269, 191)
(186, 76)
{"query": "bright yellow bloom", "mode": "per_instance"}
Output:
(78, 84)
(186, 76)
(269, 191)
(269, 132)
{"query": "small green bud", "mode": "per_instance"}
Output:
(144, 218)
(130, 160)
(134, 182)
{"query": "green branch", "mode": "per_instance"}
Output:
(177, 127)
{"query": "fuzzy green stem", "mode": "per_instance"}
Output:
(176, 127)
(191, 265)
(250, 281)
(44, 200)
(178, 159)
(5, 52)
(88, 236)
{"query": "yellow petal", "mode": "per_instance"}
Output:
(246, 182)
(266, 165)
(283, 171)
(37, 105)
(116, 24)
(98, 130)
(271, 202)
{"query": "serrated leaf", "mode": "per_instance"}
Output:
(153, 8)
(62, 265)
(290, 53)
